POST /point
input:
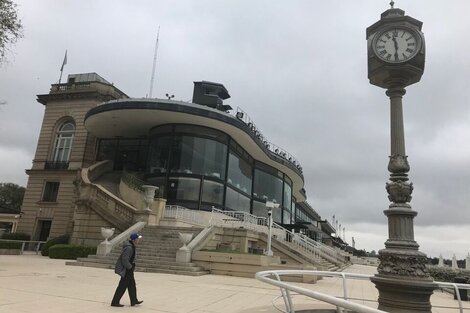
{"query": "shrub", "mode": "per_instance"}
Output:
(10, 245)
(70, 252)
(54, 241)
(16, 236)
(447, 274)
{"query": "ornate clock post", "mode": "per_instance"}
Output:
(396, 51)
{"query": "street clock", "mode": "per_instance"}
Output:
(395, 50)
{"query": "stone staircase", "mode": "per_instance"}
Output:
(156, 253)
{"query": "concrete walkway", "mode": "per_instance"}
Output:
(32, 283)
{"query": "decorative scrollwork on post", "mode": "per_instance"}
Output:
(403, 265)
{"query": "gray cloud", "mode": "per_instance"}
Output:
(298, 69)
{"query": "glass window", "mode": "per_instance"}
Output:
(212, 192)
(201, 131)
(143, 153)
(158, 155)
(51, 190)
(63, 142)
(236, 201)
(267, 187)
(292, 214)
(184, 188)
(128, 155)
(192, 155)
(287, 201)
(160, 183)
(259, 209)
(107, 149)
(164, 129)
(286, 217)
(239, 173)
(277, 212)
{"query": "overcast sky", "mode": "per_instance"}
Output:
(298, 68)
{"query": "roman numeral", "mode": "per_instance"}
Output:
(402, 35)
(411, 44)
(409, 50)
(387, 35)
(382, 52)
(404, 56)
(395, 33)
(411, 37)
(382, 40)
(380, 47)
(388, 56)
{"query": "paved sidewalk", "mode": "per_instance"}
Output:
(32, 283)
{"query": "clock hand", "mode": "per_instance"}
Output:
(395, 43)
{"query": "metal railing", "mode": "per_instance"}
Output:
(186, 215)
(36, 244)
(341, 304)
(310, 248)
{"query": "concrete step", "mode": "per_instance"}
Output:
(156, 253)
(187, 273)
(140, 262)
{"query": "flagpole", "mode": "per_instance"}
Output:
(62, 67)
(60, 77)
(154, 63)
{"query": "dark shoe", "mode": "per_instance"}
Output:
(119, 305)
(137, 302)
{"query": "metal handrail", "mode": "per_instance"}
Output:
(286, 289)
(184, 214)
(24, 242)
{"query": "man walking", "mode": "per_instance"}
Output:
(125, 267)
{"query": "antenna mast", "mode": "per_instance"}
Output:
(154, 64)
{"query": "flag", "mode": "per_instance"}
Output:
(65, 61)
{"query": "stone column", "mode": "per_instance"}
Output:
(403, 281)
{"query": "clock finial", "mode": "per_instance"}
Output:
(392, 3)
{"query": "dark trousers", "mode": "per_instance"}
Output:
(126, 282)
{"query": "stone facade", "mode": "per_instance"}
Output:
(67, 102)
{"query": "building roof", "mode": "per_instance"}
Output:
(86, 77)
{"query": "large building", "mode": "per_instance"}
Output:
(198, 153)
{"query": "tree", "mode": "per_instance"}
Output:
(10, 26)
(11, 196)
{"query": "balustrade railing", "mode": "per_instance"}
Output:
(236, 219)
(103, 198)
(116, 207)
(186, 215)
(310, 248)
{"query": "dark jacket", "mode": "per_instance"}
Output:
(125, 260)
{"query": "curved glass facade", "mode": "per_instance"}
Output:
(199, 167)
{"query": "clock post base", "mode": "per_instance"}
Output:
(400, 295)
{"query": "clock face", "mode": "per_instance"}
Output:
(396, 45)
